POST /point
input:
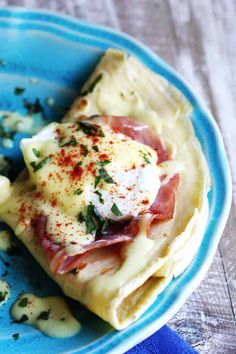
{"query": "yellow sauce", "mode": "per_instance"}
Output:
(4, 292)
(50, 315)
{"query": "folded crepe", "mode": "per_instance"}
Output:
(119, 277)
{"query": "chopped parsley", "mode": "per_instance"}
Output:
(72, 142)
(105, 226)
(145, 157)
(101, 200)
(85, 149)
(91, 129)
(97, 180)
(80, 217)
(42, 163)
(23, 302)
(44, 315)
(34, 107)
(3, 295)
(16, 336)
(115, 210)
(18, 91)
(79, 163)
(36, 152)
(23, 318)
(95, 148)
(78, 191)
(103, 175)
(103, 163)
(4, 133)
(94, 222)
(92, 86)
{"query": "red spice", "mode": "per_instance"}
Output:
(111, 142)
(95, 139)
(53, 203)
(103, 156)
(22, 208)
(73, 243)
(143, 165)
(43, 184)
(77, 172)
(90, 168)
(37, 195)
(145, 201)
(50, 175)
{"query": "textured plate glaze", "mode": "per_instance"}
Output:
(60, 52)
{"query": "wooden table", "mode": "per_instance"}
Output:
(198, 38)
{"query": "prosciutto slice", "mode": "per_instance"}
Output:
(140, 132)
(61, 262)
(163, 207)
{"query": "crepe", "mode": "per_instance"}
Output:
(121, 292)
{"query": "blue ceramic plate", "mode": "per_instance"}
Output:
(60, 52)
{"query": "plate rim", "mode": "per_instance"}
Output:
(125, 341)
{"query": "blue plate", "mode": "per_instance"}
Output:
(60, 52)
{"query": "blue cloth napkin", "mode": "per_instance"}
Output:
(164, 341)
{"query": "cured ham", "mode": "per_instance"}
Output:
(61, 262)
(140, 132)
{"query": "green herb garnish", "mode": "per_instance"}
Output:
(4, 133)
(103, 163)
(92, 85)
(78, 191)
(93, 220)
(79, 163)
(115, 210)
(34, 107)
(105, 226)
(145, 157)
(23, 302)
(85, 149)
(101, 200)
(72, 142)
(80, 217)
(36, 152)
(103, 174)
(44, 315)
(95, 148)
(91, 129)
(18, 91)
(16, 336)
(3, 295)
(23, 318)
(42, 163)
(96, 181)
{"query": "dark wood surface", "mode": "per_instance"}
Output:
(198, 38)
